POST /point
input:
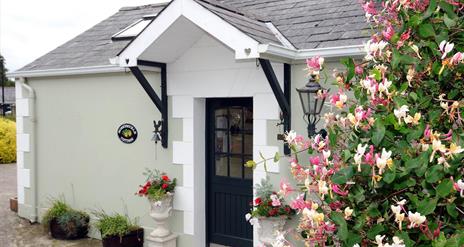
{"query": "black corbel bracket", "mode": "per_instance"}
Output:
(283, 97)
(160, 103)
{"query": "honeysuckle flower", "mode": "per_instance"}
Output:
(315, 63)
(369, 8)
(442, 161)
(383, 87)
(401, 112)
(397, 242)
(437, 146)
(290, 137)
(384, 160)
(402, 202)
(326, 154)
(285, 188)
(275, 201)
(348, 212)
(388, 32)
(454, 149)
(416, 50)
(396, 209)
(459, 186)
(410, 75)
(379, 240)
(356, 245)
(339, 99)
(445, 48)
(359, 155)
(413, 120)
(323, 189)
(457, 58)
(415, 219)
(299, 203)
(336, 189)
(374, 49)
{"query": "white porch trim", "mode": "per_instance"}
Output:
(67, 71)
(243, 46)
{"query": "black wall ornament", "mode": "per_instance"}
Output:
(127, 133)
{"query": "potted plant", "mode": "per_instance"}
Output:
(118, 230)
(66, 223)
(159, 189)
(269, 212)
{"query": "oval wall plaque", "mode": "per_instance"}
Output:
(127, 133)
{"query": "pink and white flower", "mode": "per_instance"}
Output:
(459, 186)
(415, 219)
(457, 58)
(401, 112)
(275, 200)
(445, 48)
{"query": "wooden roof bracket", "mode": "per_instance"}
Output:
(160, 103)
(283, 96)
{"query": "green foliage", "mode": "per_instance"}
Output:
(264, 188)
(114, 224)
(7, 141)
(69, 219)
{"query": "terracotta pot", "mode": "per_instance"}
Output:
(132, 239)
(160, 212)
(268, 227)
(59, 232)
(14, 204)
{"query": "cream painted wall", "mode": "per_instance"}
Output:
(79, 154)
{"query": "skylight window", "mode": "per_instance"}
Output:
(132, 30)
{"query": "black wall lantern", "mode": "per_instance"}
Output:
(312, 105)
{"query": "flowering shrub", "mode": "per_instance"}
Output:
(269, 203)
(391, 166)
(7, 141)
(157, 186)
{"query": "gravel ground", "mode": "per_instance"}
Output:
(17, 232)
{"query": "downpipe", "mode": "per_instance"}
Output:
(33, 217)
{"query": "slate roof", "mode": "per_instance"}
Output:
(307, 24)
(250, 24)
(93, 47)
(310, 24)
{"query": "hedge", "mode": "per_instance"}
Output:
(7, 141)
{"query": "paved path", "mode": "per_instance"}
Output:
(16, 232)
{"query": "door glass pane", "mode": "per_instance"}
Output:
(236, 143)
(236, 165)
(248, 143)
(235, 124)
(221, 165)
(248, 118)
(221, 142)
(248, 170)
(221, 118)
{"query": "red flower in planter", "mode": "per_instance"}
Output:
(273, 212)
(258, 201)
(164, 186)
(165, 178)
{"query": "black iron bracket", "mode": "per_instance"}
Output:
(283, 96)
(160, 103)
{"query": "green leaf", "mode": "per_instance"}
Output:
(427, 206)
(342, 230)
(350, 66)
(389, 176)
(405, 237)
(440, 241)
(379, 132)
(426, 30)
(332, 138)
(451, 209)
(276, 157)
(415, 20)
(342, 176)
(430, 9)
(375, 230)
(445, 187)
(434, 173)
(449, 9)
(449, 22)
(396, 57)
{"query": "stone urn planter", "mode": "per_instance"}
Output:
(160, 212)
(268, 227)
